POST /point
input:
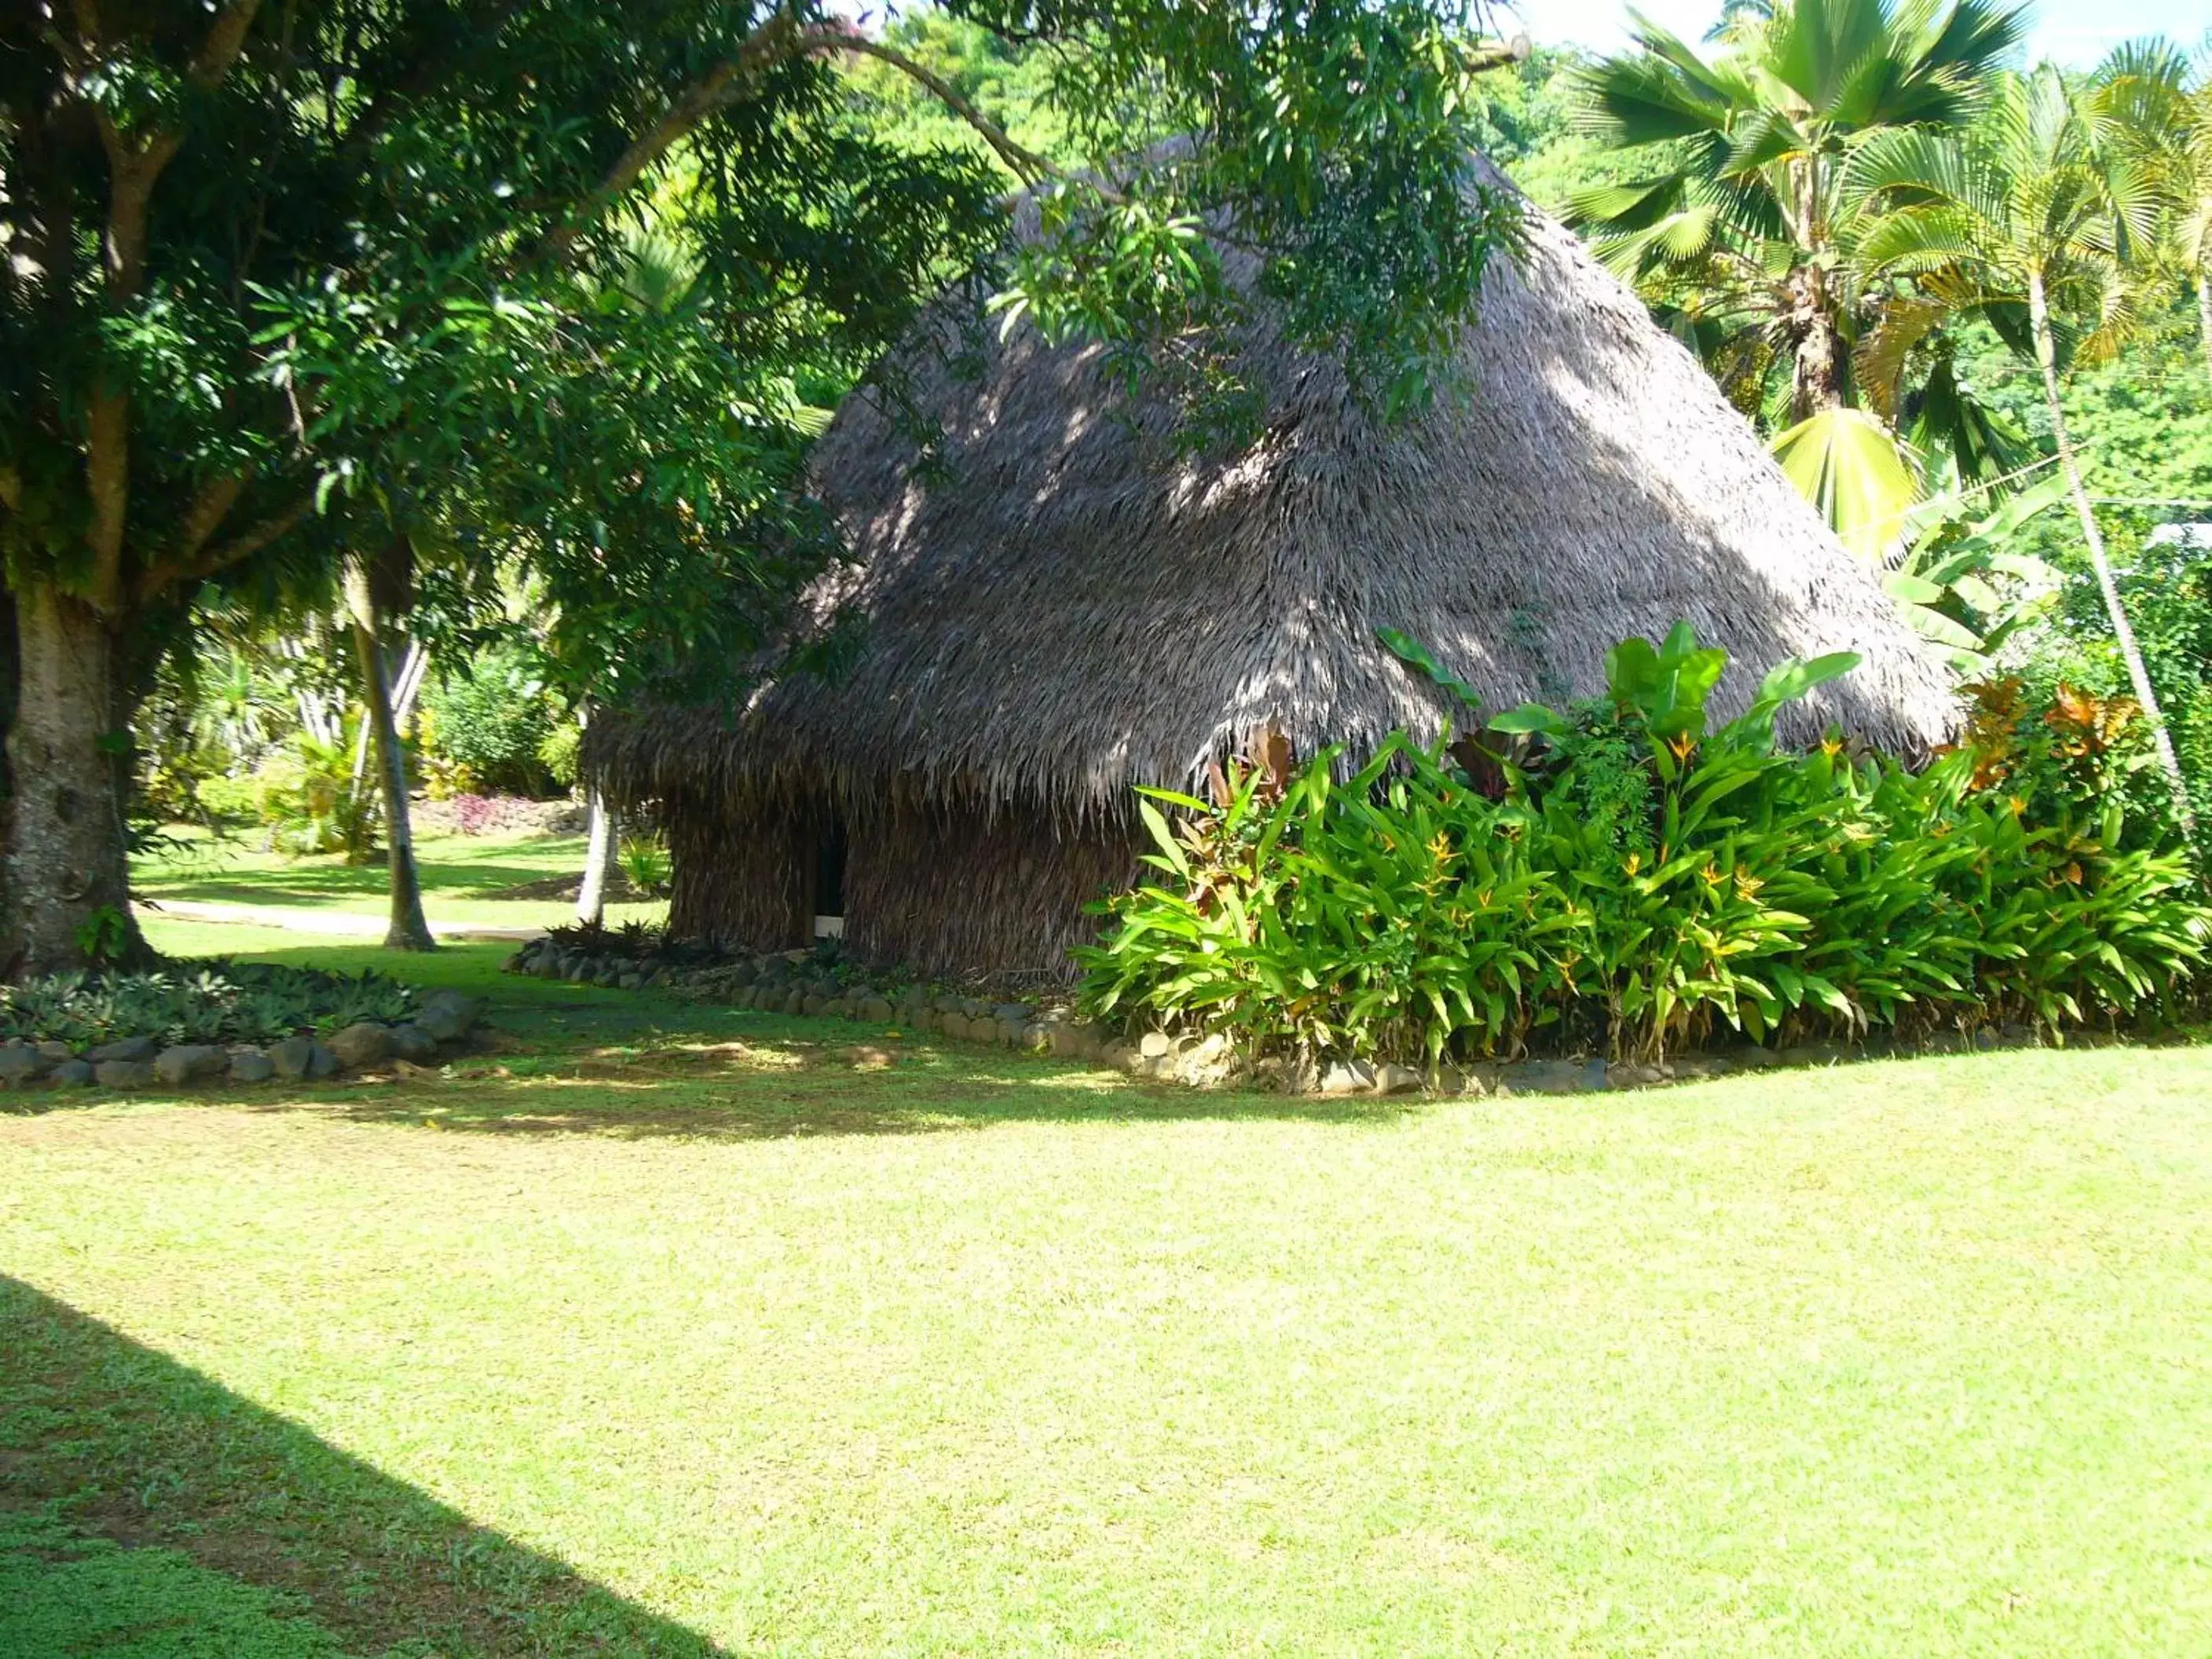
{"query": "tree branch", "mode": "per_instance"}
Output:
(207, 511)
(133, 165)
(225, 40)
(1025, 163)
(781, 40)
(170, 572)
(778, 41)
(1487, 55)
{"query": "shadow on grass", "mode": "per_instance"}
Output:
(583, 1059)
(765, 1090)
(233, 1517)
(310, 886)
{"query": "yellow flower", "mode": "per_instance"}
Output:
(1633, 863)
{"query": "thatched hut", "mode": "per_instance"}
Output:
(1052, 606)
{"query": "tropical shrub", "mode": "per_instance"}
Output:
(645, 864)
(308, 796)
(1635, 879)
(216, 1001)
(229, 803)
(560, 752)
(2167, 591)
(486, 723)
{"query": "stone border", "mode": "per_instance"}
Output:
(441, 1024)
(797, 982)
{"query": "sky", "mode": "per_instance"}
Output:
(2074, 32)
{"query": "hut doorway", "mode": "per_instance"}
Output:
(828, 905)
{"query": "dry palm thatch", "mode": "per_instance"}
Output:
(1059, 605)
(1053, 604)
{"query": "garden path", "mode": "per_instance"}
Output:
(347, 923)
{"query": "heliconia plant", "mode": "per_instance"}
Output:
(1644, 879)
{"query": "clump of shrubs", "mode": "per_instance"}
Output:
(1622, 875)
(215, 1001)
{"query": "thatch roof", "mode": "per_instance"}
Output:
(1059, 606)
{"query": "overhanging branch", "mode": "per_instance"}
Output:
(160, 577)
(1025, 163)
(776, 41)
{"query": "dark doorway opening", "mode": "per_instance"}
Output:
(829, 881)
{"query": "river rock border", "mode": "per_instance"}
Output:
(441, 1025)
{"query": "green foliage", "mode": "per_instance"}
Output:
(105, 936)
(1009, 80)
(2143, 424)
(492, 716)
(2167, 589)
(1849, 464)
(229, 803)
(1960, 580)
(1645, 880)
(210, 1000)
(560, 752)
(645, 864)
(1740, 230)
(308, 800)
(2028, 213)
(1354, 185)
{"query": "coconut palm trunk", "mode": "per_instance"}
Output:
(2046, 357)
(599, 862)
(2204, 315)
(409, 929)
(600, 853)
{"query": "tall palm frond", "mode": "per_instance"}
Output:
(2157, 106)
(2036, 207)
(1743, 224)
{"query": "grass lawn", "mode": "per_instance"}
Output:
(691, 1332)
(462, 876)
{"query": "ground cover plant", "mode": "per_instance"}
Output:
(205, 1001)
(1623, 873)
(673, 1334)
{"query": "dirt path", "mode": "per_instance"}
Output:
(350, 924)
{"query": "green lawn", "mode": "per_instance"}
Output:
(462, 876)
(695, 1331)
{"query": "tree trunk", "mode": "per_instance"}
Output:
(599, 862)
(2204, 314)
(68, 891)
(1818, 382)
(1817, 376)
(409, 930)
(2046, 357)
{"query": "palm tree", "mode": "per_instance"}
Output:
(2031, 210)
(2163, 113)
(1743, 232)
(367, 586)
